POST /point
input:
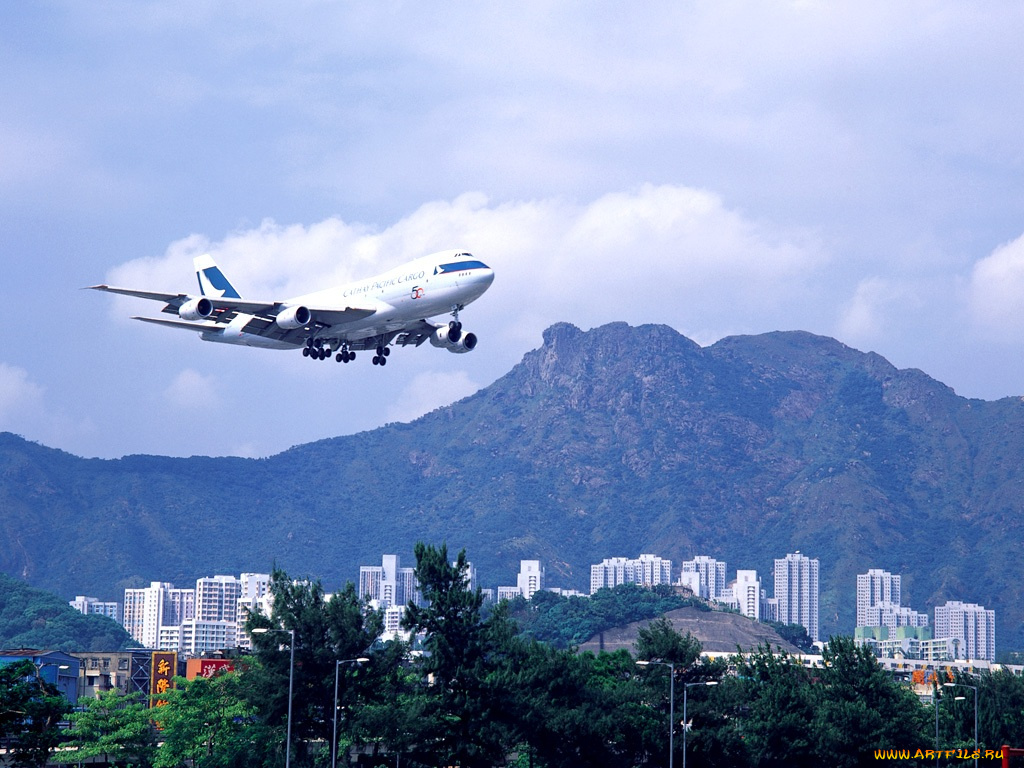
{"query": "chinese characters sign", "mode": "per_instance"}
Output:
(165, 665)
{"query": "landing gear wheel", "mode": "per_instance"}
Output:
(455, 325)
(376, 359)
(339, 357)
(383, 361)
(305, 351)
(386, 351)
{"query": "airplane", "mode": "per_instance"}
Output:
(391, 308)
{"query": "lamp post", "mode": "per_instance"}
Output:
(975, 688)
(671, 704)
(291, 684)
(337, 665)
(686, 727)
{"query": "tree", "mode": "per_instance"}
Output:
(30, 710)
(659, 641)
(860, 708)
(794, 634)
(325, 631)
(114, 726)
(776, 724)
(580, 709)
(1000, 709)
(208, 723)
(465, 719)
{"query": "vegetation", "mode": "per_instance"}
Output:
(796, 634)
(482, 693)
(30, 710)
(34, 618)
(565, 622)
(113, 726)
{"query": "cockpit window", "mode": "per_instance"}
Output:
(459, 266)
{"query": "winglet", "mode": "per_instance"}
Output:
(211, 280)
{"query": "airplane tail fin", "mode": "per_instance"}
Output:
(211, 280)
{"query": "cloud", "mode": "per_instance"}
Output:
(866, 317)
(996, 292)
(667, 253)
(191, 390)
(19, 396)
(428, 391)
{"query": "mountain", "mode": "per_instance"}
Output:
(34, 618)
(615, 441)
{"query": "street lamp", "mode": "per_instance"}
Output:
(671, 704)
(975, 688)
(686, 727)
(337, 665)
(291, 684)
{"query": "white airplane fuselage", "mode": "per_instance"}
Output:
(415, 290)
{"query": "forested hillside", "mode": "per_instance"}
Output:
(615, 441)
(34, 618)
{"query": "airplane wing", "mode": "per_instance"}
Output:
(262, 322)
(264, 312)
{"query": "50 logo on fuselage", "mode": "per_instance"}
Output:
(417, 292)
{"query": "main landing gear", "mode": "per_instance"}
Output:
(319, 349)
(316, 349)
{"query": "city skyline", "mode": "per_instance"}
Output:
(208, 616)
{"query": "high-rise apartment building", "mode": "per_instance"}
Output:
(217, 598)
(873, 588)
(712, 575)
(796, 590)
(971, 625)
(389, 584)
(893, 616)
(530, 578)
(746, 591)
(254, 598)
(214, 623)
(647, 570)
(150, 609)
(93, 605)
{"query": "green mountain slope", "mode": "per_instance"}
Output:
(614, 441)
(34, 618)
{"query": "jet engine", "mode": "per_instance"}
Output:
(453, 340)
(294, 317)
(198, 308)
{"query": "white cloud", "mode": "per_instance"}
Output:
(997, 292)
(191, 390)
(19, 396)
(665, 253)
(428, 391)
(867, 316)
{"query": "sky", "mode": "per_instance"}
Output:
(855, 170)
